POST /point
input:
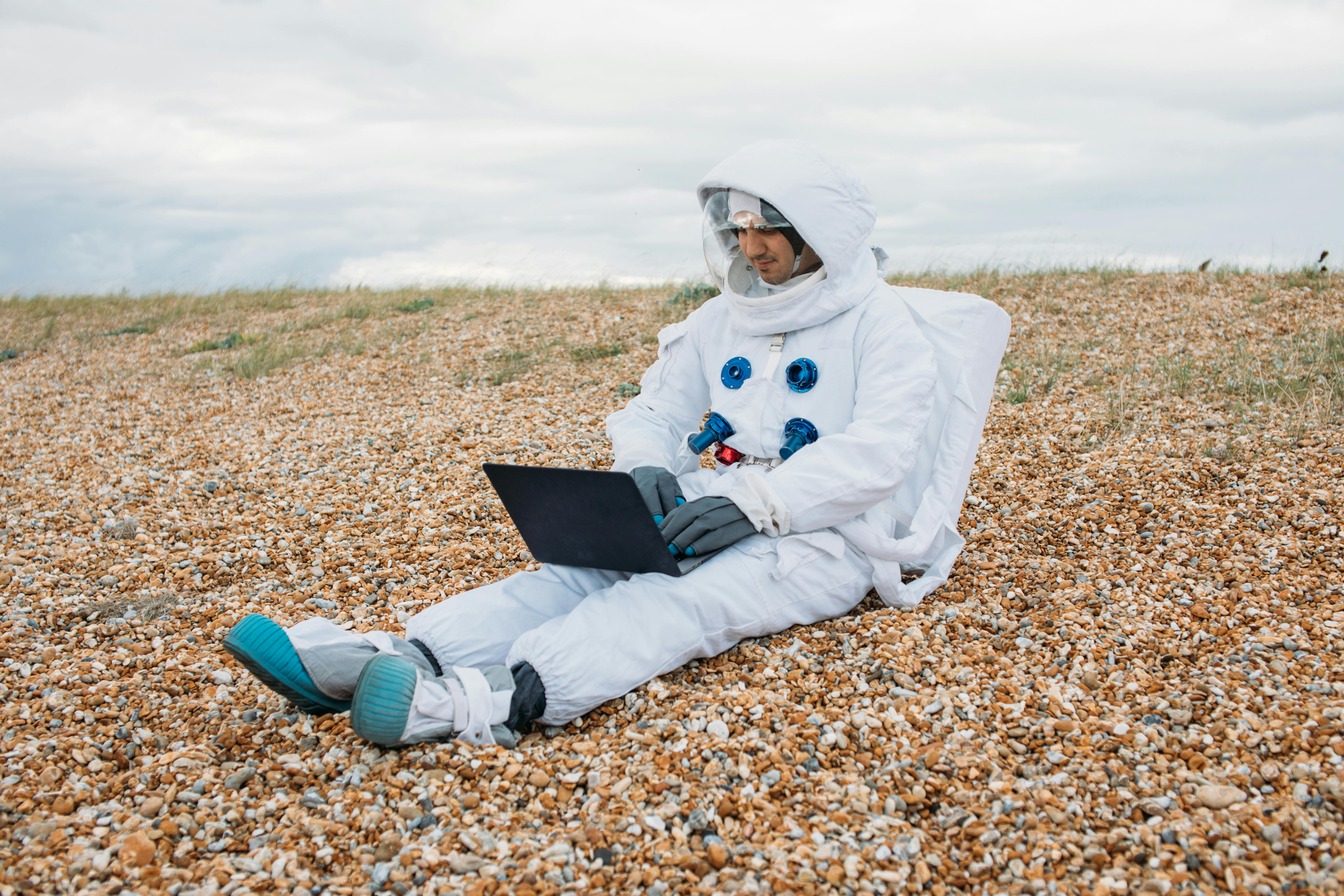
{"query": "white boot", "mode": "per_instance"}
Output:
(314, 664)
(397, 702)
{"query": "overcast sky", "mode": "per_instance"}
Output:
(191, 145)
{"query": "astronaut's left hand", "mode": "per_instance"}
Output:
(704, 526)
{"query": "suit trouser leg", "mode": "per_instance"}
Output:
(639, 627)
(477, 627)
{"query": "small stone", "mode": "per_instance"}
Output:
(717, 728)
(381, 872)
(137, 850)
(717, 855)
(464, 864)
(539, 779)
(1218, 796)
(239, 779)
(387, 848)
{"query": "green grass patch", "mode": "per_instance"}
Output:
(596, 352)
(1304, 370)
(1034, 374)
(9, 354)
(264, 357)
(1179, 374)
(693, 294)
(416, 306)
(143, 328)
(1309, 276)
(510, 365)
(233, 340)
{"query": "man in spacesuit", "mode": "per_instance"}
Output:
(822, 388)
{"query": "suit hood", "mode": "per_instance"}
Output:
(832, 211)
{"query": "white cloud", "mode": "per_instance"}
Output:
(168, 145)
(487, 263)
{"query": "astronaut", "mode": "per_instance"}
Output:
(832, 477)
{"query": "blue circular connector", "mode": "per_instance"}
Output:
(801, 374)
(716, 429)
(797, 433)
(736, 371)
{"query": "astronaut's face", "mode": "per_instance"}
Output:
(769, 252)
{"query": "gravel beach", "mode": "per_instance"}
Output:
(1131, 684)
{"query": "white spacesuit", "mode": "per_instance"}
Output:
(848, 413)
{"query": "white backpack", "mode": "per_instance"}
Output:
(969, 335)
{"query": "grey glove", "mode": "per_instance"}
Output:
(704, 526)
(659, 489)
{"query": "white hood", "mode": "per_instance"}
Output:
(829, 207)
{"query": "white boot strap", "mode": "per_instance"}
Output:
(438, 708)
(480, 706)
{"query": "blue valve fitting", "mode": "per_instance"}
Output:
(797, 433)
(716, 430)
(736, 371)
(801, 374)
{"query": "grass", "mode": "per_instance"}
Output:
(510, 365)
(1080, 335)
(1180, 374)
(1304, 370)
(415, 306)
(1033, 373)
(137, 329)
(596, 352)
(694, 294)
(264, 357)
(233, 340)
(149, 607)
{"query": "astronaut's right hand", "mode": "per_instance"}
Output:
(659, 489)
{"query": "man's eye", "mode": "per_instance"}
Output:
(766, 231)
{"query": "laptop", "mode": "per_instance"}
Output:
(590, 518)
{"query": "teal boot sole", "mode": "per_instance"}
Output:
(266, 651)
(383, 696)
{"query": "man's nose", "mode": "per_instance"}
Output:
(751, 241)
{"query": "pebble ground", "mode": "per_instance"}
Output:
(1131, 684)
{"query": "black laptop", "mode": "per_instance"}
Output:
(592, 518)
